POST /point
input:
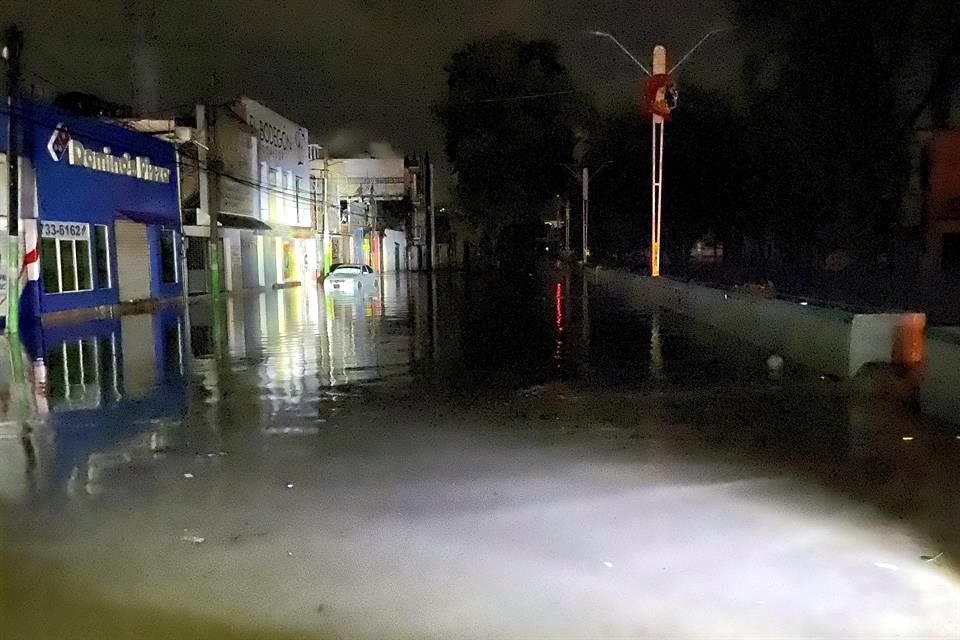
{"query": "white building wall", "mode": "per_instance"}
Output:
(279, 187)
(393, 241)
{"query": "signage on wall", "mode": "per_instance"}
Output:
(65, 230)
(140, 167)
(280, 142)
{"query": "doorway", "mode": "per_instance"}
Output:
(133, 272)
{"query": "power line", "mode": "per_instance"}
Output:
(531, 96)
(41, 78)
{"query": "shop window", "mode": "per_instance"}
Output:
(264, 191)
(101, 250)
(289, 199)
(168, 256)
(49, 265)
(302, 202)
(68, 275)
(84, 273)
(197, 254)
(275, 188)
(65, 262)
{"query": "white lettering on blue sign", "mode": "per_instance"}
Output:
(65, 230)
(125, 165)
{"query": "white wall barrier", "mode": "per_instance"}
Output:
(940, 390)
(834, 341)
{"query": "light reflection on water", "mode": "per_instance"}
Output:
(162, 402)
(118, 394)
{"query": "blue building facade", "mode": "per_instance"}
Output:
(100, 213)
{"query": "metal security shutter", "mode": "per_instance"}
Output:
(133, 260)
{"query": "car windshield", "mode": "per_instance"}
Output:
(347, 270)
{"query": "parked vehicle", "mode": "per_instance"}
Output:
(351, 279)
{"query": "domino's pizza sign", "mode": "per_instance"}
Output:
(140, 167)
(58, 143)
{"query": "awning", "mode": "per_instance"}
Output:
(228, 220)
(149, 217)
(234, 221)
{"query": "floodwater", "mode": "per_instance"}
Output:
(509, 457)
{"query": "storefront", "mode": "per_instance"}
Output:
(100, 214)
(265, 213)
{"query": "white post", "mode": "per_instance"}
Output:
(656, 145)
(433, 225)
(585, 195)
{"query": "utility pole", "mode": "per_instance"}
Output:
(656, 167)
(12, 49)
(209, 192)
(585, 209)
(325, 213)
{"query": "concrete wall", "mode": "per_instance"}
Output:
(940, 390)
(833, 341)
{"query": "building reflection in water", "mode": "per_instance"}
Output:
(113, 394)
(290, 348)
(107, 392)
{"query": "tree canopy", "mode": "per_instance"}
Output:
(833, 91)
(511, 114)
(809, 153)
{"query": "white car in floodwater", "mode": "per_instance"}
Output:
(351, 279)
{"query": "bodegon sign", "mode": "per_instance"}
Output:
(105, 161)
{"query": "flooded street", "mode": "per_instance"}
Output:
(490, 458)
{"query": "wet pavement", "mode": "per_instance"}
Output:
(495, 458)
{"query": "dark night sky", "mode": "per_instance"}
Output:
(352, 72)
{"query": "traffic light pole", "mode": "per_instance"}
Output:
(656, 167)
(659, 70)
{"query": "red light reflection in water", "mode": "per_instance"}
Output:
(558, 320)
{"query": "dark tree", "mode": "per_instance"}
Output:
(833, 91)
(510, 114)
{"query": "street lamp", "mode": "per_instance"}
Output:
(659, 111)
(583, 179)
(609, 36)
